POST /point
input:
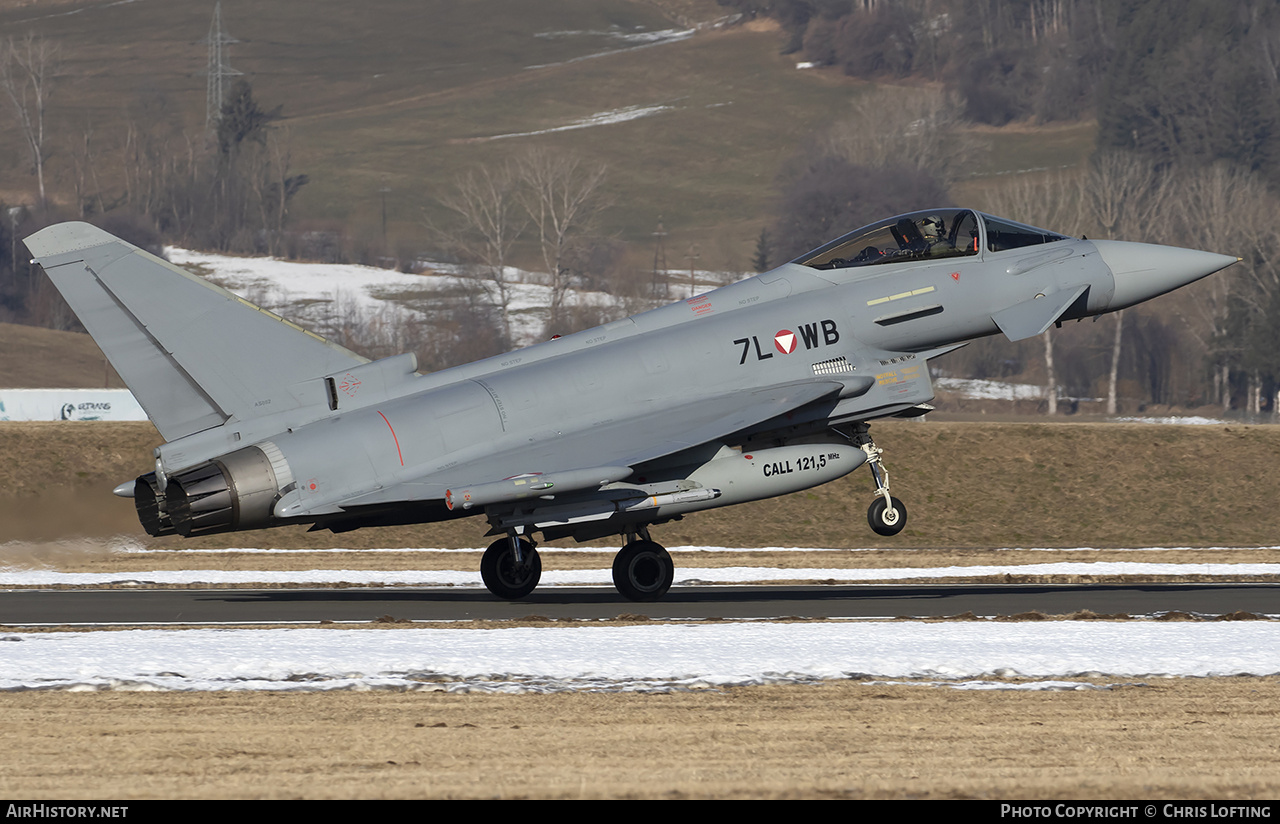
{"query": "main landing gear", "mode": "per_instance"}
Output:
(887, 515)
(642, 569)
(510, 567)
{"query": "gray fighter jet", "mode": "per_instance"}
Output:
(757, 389)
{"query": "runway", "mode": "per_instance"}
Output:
(87, 607)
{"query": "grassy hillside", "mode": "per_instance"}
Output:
(388, 95)
(36, 358)
(964, 484)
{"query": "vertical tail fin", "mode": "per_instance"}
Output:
(194, 354)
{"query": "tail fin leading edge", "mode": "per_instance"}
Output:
(193, 354)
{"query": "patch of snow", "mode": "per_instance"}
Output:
(1189, 420)
(322, 296)
(325, 296)
(629, 659)
(631, 41)
(125, 545)
(636, 37)
(692, 576)
(599, 119)
(989, 389)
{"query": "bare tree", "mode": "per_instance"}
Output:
(1125, 197)
(562, 195)
(27, 70)
(916, 128)
(1052, 202)
(86, 175)
(284, 184)
(1229, 210)
(1119, 195)
(269, 173)
(486, 203)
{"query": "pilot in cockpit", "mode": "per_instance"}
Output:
(935, 236)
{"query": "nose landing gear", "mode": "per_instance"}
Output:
(887, 515)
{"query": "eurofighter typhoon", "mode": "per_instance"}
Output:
(757, 389)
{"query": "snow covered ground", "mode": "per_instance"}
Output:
(1186, 420)
(619, 40)
(636, 658)
(602, 577)
(598, 119)
(27, 575)
(989, 389)
(976, 389)
(664, 657)
(321, 295)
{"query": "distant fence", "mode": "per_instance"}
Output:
(69, 405)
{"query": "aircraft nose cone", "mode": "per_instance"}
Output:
(1144, 270)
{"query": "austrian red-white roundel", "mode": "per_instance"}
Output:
(785, 341)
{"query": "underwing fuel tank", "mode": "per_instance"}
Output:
(732, 478)
(764, 473)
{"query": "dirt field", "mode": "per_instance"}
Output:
(1162, 739)
(965, 485)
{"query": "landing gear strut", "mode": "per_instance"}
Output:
(643, 569)
(510, 567)
(887, 515)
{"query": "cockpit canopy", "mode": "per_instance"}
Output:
(928, 235)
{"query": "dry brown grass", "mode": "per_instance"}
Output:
(966, 486)
(1165, 739)
(36, 358)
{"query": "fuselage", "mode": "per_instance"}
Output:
(791, 324)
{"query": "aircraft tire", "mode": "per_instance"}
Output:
(500, 574)
(886, 522)
(643, 571)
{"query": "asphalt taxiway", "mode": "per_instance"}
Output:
(130, 606)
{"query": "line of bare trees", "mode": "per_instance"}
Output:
(552, 198)
(231, 191)
(228, 191)
(1212, 342)
(1008, 59)
(27, 69)
(894, 150)
(901, 150)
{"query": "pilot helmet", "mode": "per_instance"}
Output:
(932, 226)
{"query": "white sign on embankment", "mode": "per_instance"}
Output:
(69, 405)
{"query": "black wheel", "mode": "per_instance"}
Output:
(503, 576)
(887, 520)
(643, 571)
